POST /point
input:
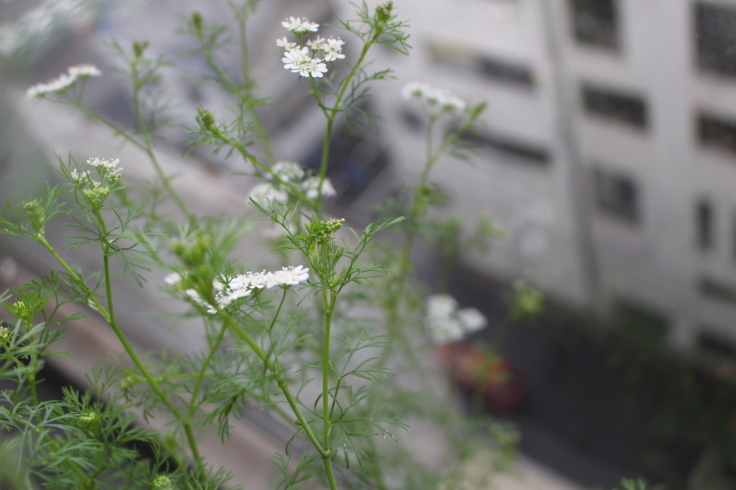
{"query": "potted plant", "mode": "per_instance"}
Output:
(495, 383)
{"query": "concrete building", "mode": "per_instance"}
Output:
(608, 150)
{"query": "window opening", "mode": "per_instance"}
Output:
(611, 104)
(617, 195)
(595, 23)
(717, 132)
(704, 220)
(715, 38)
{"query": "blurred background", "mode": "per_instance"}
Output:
(607, 155)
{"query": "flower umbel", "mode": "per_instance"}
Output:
(445, 323)
(265, 193)
(434, 97)
(288, 171)
(311, 188)
(63, 81)
(299, 61)
(300, 26)
(244, 284)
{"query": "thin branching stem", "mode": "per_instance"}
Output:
(280, 380)
(110, 318)
(148, 147)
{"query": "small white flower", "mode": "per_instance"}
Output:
(227, 297)
(172, 279)
(288, 171)
(242, 285)
(333, 49)
(471, 320)
(293, 58)
(453, 103)
(435, 96)
(64, 81)
(81, 177)
(311, 188)
(298, 61)
(313, 68)
(414, 89)
(84, 71)
(288, 276)
(300, 26)
(249, 280)
(441, 305)
(102, 163)
(317, 44)
(446, 324)
(265, 193)
(286, 44)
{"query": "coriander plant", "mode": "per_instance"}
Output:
(285, 340)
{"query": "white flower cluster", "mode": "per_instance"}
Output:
(64, 81)
(175, 278)
(244, 284)
(304, 60)
(332, 48)
(434, 97)
(445, 323)
(292, 173)
(300, 26)
(106, 168)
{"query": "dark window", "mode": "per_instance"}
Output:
(717, 132)
(611, 104)
(704, 223)
(493, 68)
(595, 23)
(505, 72)
(617, 195)
(717, 290)
(715, 34)
(509, 147)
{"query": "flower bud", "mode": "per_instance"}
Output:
(6, 336)
(95, 196)
(383, 12)
(197, 22)
(161, 482)
(21, 310)
(527, 301)
(139, 48)
(36, 215)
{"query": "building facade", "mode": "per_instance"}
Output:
(607, 152)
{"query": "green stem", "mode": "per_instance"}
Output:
(108, 315)
(247, 156)
(331, 113)
(53, 447)
(329, 308)
(148, 148)
(280, 380)
(248, 84)
(203, 370)
(330, 472)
